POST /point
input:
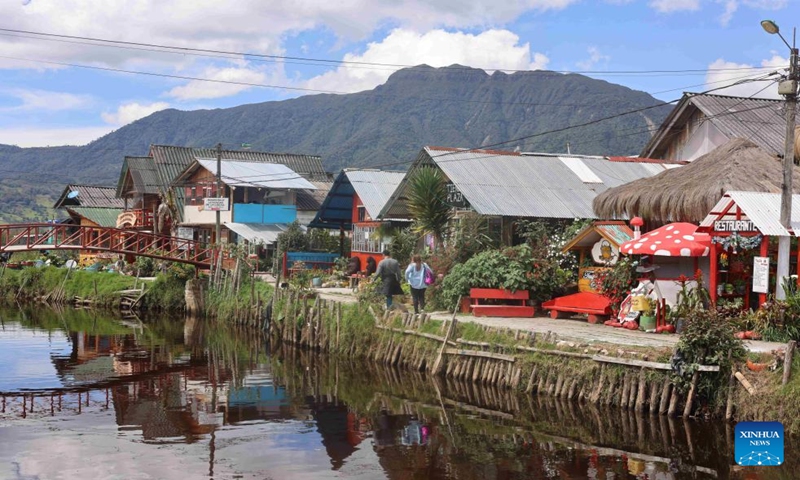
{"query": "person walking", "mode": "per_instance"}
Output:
(389, 273)
(415, 276)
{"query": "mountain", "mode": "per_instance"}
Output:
(454, 107)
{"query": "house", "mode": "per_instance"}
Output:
(171, 161)
(92, 206)
(507, 186)
(353, 204)
(261, 199)
(699, 123)
(138, 187)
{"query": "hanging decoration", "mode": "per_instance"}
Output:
(735, 242)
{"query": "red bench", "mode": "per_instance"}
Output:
(514, 304)
(596, 306)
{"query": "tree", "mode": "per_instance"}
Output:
(426, 202)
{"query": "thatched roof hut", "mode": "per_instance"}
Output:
(688, 193)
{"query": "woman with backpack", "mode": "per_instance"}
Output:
(419, 275)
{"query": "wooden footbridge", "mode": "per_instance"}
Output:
(47, 236)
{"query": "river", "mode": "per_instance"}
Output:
(86, 395)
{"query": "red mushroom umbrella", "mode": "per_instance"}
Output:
(673, 240)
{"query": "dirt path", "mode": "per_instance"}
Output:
(566, 329)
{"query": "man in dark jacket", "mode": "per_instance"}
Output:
(389, 273)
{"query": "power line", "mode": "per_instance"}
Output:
(328, 62)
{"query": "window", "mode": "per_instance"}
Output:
(363, 241)
(362, 214)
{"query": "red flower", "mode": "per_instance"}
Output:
(683, 279)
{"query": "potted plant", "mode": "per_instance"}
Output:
(316, 278)
(740, 286)
(729, 288)
(647, 319)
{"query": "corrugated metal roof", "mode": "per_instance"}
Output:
(171, 161)
(763, 209)
(89, 196)
(759, 120)
(143, 174)
(373, 187)
(258, 232)
(105, 217)
(525, 185)
(311, 200)
(253, 174)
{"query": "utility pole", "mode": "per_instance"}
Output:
(219, 191)
(787, 88)
(784, 243)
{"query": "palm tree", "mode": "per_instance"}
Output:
(426, 201)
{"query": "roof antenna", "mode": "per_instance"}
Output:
(568, 152)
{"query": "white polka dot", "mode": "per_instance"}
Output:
(664, 253)
(669, 227)
(630, 251)
(653, 234)
(657, 242)
(685, 252)
(638, 245)
(677, 241)
(688, 237)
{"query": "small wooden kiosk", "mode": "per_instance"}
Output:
(597, 247)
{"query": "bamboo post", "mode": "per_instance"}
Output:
(745, 383)
(729, 403)
(663, 406)
(640, 397)
(673, 403)
(787, 361)
(687, 409)
(437, 365)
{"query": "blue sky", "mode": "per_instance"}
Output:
(49, 104)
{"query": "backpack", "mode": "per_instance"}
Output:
(429, 278)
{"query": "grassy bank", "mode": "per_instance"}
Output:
(228, 304)
(36, 283)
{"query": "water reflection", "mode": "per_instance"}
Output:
(174, 399)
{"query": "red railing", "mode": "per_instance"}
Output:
(24, 237)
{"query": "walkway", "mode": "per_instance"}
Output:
(567, 329)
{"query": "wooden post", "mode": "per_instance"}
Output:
(437, 365)
(729, 404)
(640, 397)
(687, 409)
(787, 361)
(745, 383)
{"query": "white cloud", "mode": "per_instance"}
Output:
(717, 78)
(669, 6)
(244, 25)
(730, 8)
(499, 49)
(130, 112)
(595, 57)
(47, 100)
(198, 89)
(51, 137)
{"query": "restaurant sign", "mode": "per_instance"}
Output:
(734, 226)
(215, 204)
(455, 198)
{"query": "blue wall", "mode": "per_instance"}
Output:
(255, 213)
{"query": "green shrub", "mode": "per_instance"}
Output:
(513, 268)
(708, 339)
